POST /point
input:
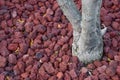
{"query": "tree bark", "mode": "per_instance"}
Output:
(88, 44)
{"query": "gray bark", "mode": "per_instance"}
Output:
(88, 44)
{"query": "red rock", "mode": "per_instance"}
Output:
(2, 77)
(14, 13)
(2, 35)
(117, 58)
(30, 52)
(44, 59)
(91, 66)
(56, 47)
(2, 61)
(118, 70)
(114, 42)
(97, 63)
(23, 47)
(63, 66)
(55, 6)
(95, 77)
(12, 46)
(67, 77)
(28, 7)
(65, 58)
(65, 47)
(49, 11)
(18, 34)
(110, 71)
(63, 32)
(95, 72)
(43, 9)
(40, 28)
(88, 78)
(103, 76)
(103, 11)
(59, 75)
(115, 25)
(49, 68)
(42, 72)
(84, 70)
(24, 75)
(47, 43)
(21, 66)
(106, 49)
(107, 20)
(28, 68)
(10, 23)
(12, 59)
(102, 69)
(4, 51)
(74, 59)
(32, 34)
(73, 74)
(72, 66)
(115, 77)
(52, 78)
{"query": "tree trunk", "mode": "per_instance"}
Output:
(87, 37)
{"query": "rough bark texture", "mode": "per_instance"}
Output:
(74, 16)
(88, 44)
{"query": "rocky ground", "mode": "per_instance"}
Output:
(36, 38)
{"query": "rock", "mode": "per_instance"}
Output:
(23, 48)
(65, 58)
(72, 66)
(14, 13)
(12, 46)
(115, 77)
(24, 75)
(110, 71)
(91, 66)
(67, 77)
(114, 42)
(74, 59)
(4, 51)
(88, 78)
(84, 70)
(40, 28)
(115, 25)
(21, 66)
(47, 43)
(2, 61)
(103, 76)
(97, 63)
(43, 73)
(12, 59)
(49, 68)
(49, 11)
(65, 47)
(63, 66)
(59, 75)
(118, 70)
(2, 77)
(117, 58)
(52, 78)
(73, 73)
(102, 69)
(38, 55)
(44, 38)
(29, 7)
